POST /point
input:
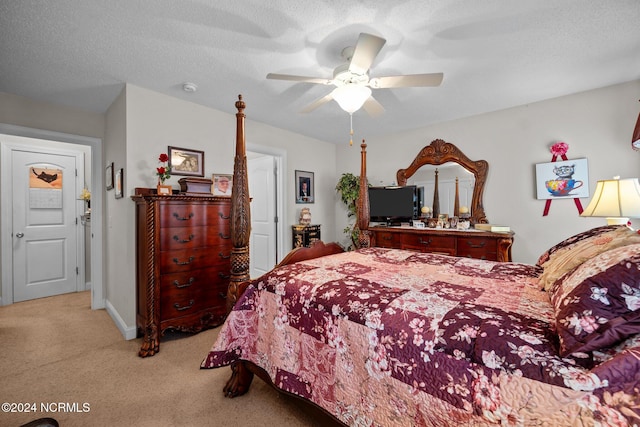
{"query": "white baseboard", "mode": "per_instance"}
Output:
(128, 332)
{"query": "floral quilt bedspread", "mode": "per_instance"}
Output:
(381, 337)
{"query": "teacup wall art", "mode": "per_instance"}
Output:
(564, 179)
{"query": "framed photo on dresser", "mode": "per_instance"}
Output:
(222, 184)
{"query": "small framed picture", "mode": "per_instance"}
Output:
(108, 176)
(565, 179)
(304, 187)
(164, 190)
(119, 182)
(222, 185)
(186, 162)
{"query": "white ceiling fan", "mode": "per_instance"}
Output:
(352, 82)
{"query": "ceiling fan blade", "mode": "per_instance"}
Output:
(318, 102)
(365, 53)
(410, 80)
(318, 80)
(373, 107)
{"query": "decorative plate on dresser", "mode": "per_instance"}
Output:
(183, 249)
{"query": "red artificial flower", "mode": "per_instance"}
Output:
(164, 171)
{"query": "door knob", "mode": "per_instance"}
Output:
(20, 235)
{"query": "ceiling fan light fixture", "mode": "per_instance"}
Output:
(351, 97)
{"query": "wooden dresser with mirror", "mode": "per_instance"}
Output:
(470, 243)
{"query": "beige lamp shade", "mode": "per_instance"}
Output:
(615, 199)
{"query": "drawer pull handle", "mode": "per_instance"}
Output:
(177, 239)
(386, 237)
(184, 307)
(223, 276)
(183, 218)
(223, 215)
(185, 262)
(185, 285)
(425, 242)
(224, 236)
(478, 246)
(223, 256)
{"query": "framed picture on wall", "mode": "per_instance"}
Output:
(108, 176)
(305, 192)
(119, 183)
(186, 162)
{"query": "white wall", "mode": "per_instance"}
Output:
(596, 124)
(119, 252)
(21, 111)
(155, 121)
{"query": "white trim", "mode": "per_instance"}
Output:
(280, 158)
(128, 332)
(97, 184)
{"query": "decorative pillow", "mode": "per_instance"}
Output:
(597, 305)
(570, 253)
(622, 368)
(602, 355)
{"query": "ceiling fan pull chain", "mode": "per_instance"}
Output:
(351, 133)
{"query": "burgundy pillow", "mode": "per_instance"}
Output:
(597, 305)
(622, 368)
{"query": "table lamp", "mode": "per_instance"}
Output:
(615, 199)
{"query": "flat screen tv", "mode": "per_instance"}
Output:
(392, 205)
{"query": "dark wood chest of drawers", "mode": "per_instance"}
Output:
(183, 249)
(472, 244)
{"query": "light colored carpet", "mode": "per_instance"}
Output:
(58, 350)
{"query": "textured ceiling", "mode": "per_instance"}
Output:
(494, 54)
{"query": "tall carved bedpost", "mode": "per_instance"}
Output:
(240, 213)
(364, 239)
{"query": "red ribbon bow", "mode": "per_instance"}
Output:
(559, 149)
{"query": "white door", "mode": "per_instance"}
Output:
(44, 223)
(263, 242)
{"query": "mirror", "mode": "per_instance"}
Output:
(445, 155)
(452, 179)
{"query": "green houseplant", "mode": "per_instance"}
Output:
(348, 187)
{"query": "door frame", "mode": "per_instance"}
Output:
(280, 158)
(97, 187)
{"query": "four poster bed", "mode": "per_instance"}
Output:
(381, 336)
